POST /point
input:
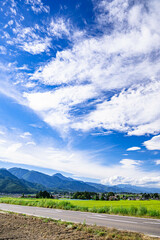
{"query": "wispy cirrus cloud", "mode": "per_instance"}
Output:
(133, 111)
(37, 39)
(58, 27)
(36, 47)
(122, 61)
(56, 107)
(93, 61)
(3, 50)
(37, 6)
(25, 135)
(30, 40)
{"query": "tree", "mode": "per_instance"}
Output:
(110, 194)
(103, 196)
(96, 196)
(156, 196)
(146, 196)
(43, 194)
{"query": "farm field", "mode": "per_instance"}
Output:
(149, 204)
(148, 208)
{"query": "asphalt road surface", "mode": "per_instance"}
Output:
(144, 225)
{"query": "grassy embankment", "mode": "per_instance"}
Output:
(149, 208)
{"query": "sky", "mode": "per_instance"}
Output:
(80, 88)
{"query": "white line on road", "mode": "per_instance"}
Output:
(114, 220)
(152, 222)
(56, 210)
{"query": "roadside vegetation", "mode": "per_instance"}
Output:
(149, 208)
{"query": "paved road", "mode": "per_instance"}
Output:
(143, 225)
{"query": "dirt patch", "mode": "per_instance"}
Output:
(17, 226)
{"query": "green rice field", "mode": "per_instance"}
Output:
(150, 204)
(148, 208)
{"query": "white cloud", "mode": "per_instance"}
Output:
(13, 11)
(54, 106)
(37, 47)
(103, 61)
(59, 27)
(37, 6)
(3, 50)
(133, 149)
(153, 143)
(124, 17)
(149, 181)
(135, 111)
(114, 180)
(2, 132)
(26, 135)
(30, 39)
(2, 141)
(31, 143)
(10, 22)
(130, 163)
(13, 147)
(37, 39)
(24, 67)
(121, 61)
(7, 87)
(157, 162)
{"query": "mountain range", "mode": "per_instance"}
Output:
(9, 183)
(19, 180)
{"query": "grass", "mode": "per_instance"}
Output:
(149, 208)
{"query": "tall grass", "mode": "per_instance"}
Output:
(68, 205)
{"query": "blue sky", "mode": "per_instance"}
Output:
(80, 88)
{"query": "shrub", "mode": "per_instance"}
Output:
(103, 210)
(93, 209)
(142, 211)
(154, 213)
(133, 210)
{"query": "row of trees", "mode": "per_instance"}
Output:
(86, 195)
(112, 196)
(96, 196)
(104, 196)
(150, 195)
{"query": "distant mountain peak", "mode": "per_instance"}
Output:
(18, 172)
(58, 175)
